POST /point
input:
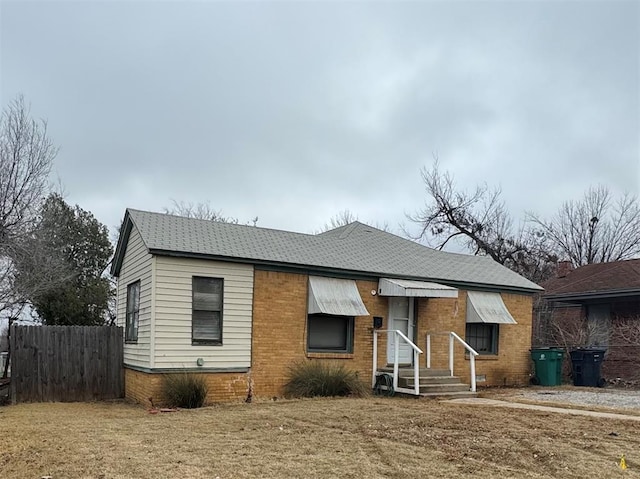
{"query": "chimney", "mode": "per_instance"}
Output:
(563, 269)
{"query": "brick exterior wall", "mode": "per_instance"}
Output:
(513, 363)
(510, 367)
(279, 334)
(280, 330)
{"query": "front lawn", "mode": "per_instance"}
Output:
(373, 437)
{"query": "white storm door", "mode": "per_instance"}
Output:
(400, 318)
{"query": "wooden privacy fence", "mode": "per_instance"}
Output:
(66, 363)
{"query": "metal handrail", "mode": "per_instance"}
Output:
(472, 355)
(396, 356)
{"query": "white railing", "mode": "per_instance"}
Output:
(472, 355)
(396, 356)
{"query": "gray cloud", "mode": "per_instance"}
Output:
(295, 111)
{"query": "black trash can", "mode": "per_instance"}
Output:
(586, 364)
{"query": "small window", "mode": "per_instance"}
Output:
(327, 333)
(483, 337)
(206, 321)
(133, 312)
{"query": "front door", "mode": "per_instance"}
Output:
(401, 318)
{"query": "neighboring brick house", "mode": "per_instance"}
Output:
(594, 305)
(240, 304)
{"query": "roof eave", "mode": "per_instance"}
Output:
(121, 247)
(593, 295)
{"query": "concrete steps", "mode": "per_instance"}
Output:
(451, 395)
(405, 372)
(434, 383)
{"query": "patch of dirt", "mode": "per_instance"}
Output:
(371, 437)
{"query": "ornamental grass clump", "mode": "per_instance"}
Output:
(186, 391)
(317, 378)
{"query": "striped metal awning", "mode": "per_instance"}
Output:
(484, 307)
(338, 297)
(415, 289)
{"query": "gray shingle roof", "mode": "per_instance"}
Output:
(354, 248)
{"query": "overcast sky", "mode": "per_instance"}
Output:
(294, 111)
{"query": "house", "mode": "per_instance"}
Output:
(240, 304)
(594, 305)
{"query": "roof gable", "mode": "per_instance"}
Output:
(355, 248)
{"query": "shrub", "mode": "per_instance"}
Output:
(316, 378)
(184, 390)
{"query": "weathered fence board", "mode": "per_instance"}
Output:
(66, 363)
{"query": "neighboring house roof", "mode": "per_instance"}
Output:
(355, 248)
(598, 280)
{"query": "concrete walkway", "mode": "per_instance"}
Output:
(535, 407)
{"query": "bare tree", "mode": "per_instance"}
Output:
(344, 217)
(626, 330)
(596, 229)
(19, 283)
(575, 333)
(26, 159)
(202, 211)
(341, 218)
(479, 220)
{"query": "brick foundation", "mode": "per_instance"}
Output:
(140, 386)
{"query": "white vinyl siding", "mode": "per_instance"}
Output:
(173, 314)
(136, 266)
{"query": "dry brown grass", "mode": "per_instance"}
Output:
(373, 437)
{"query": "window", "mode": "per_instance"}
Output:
(133, 312)
(327, 333)
(206, 320)
(483, 337)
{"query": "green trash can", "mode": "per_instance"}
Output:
(548, 366)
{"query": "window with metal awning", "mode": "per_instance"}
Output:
(415, 289)
(337, 297)
(485, 307)
(332, 307)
